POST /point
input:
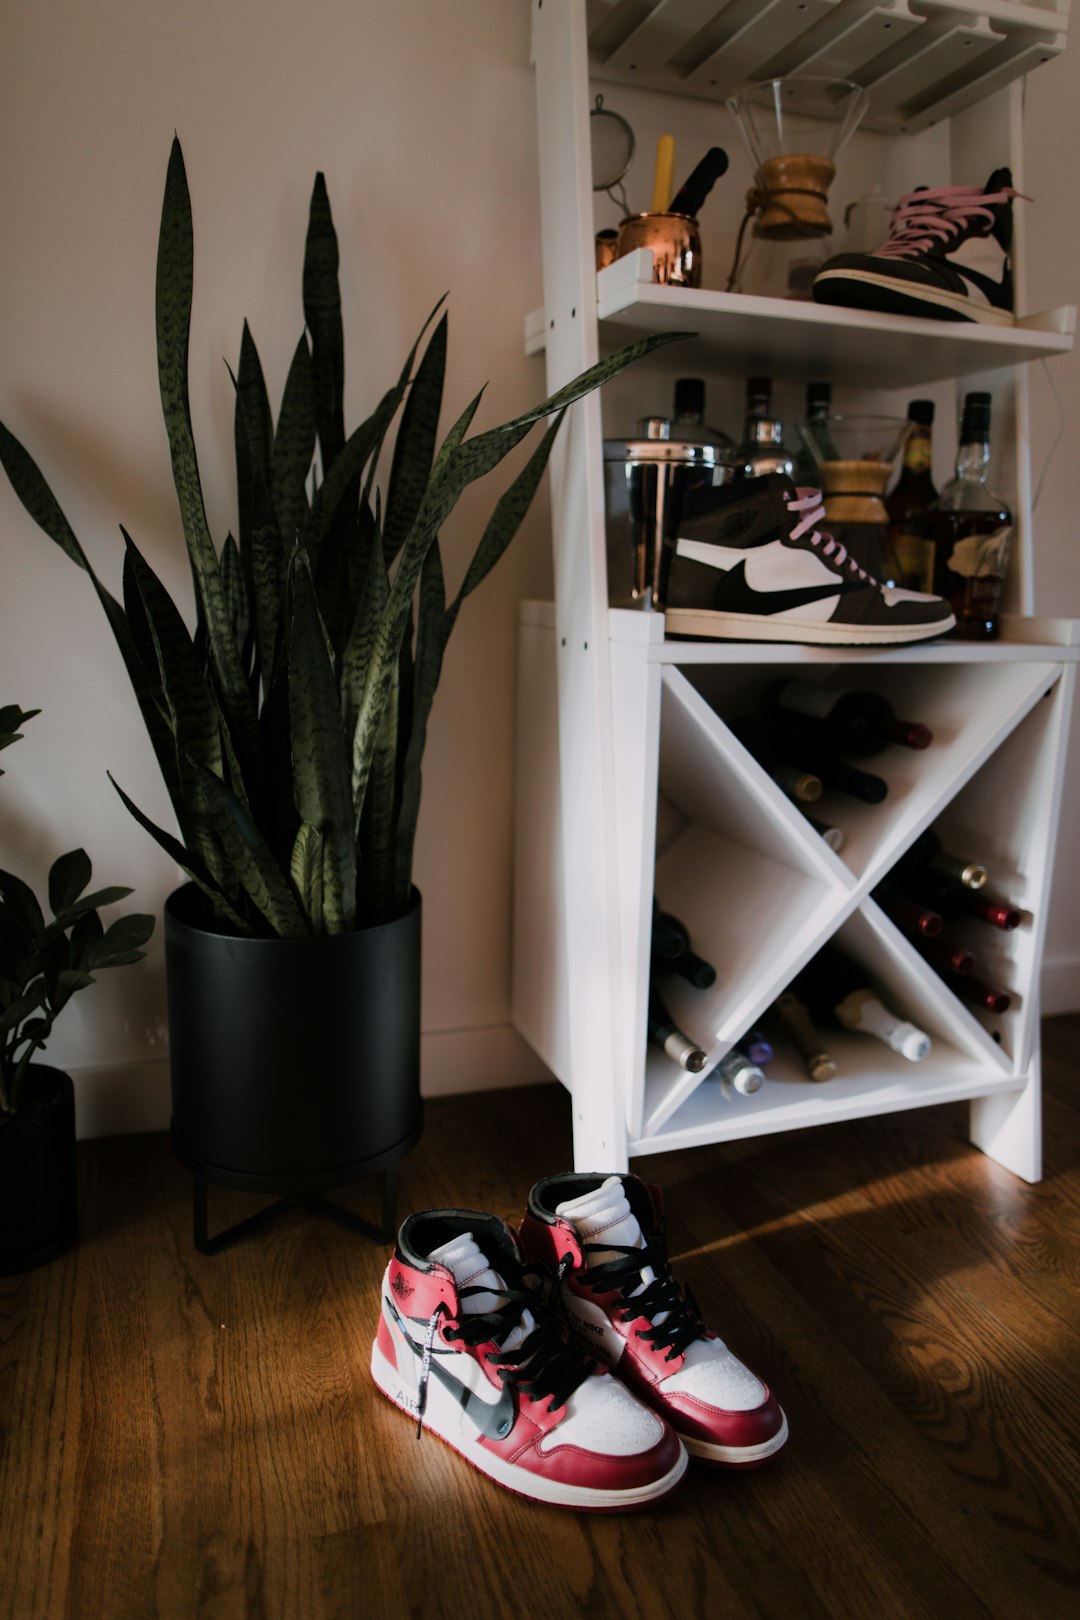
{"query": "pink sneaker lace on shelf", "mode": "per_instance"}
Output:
(923, 219)
(809, 502)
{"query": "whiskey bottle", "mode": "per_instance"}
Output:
(967, 530)
(913, 492)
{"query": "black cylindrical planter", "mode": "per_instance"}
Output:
(37, 1172)
(295, 1062)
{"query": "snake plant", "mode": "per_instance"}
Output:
(43, 964)
(290, 726)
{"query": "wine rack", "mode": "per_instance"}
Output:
(630, 783)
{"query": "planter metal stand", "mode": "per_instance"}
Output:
(314, 1204)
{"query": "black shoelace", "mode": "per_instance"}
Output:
(545, 1365)
(682, 1322)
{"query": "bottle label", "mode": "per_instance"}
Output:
(910, 553)
(976, 556)
(918, 456)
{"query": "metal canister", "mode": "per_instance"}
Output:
(650, 483)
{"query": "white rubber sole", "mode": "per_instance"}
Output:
(708, 625)
(737, 1456)
(978, 314)
(444, 1418)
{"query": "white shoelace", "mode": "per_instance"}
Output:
(923, 219)
(809, 502)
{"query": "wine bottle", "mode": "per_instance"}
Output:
(800, 785)
(835, 837)
(955, 902)
(947, 957)
(788, 738)
(665, 1033)
(835, 991)
(978, 992)
(967, 530)
(757, 1047)
(913, 492)
(908, 914)
(814, 430)
(694, 190)
(955, 871)
(740, 1073)
(793, 1013)
(762, 449)
(671, 952)
(860, 722)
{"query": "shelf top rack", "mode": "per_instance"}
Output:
(921, 60)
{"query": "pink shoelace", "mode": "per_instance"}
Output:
(809, 502)
(923, 219)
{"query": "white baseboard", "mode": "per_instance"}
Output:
(126, 1098)
(1060, 985)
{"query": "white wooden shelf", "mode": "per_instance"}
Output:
(788, 338)
(631, 784)
(921, 60)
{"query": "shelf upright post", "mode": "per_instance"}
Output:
(597, 1038)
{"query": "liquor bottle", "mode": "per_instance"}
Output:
(793, 1013)
(953, 871)
(740, 1073)
(908, 914)
(688, 424)
(967, 530)
(978, 992)
(665, 1033)
(671, 951)
(835, 991)
(789, 738)
(694, 190)
(762, 449)
(860, 722)
(912, 493)
(814, 429)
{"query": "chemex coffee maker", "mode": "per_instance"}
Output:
(651, 482)
(794, 128)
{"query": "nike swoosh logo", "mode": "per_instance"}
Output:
(493, 1419)
(734, 594)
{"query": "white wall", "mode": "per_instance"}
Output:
(421, 115)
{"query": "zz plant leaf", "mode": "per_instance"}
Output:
(290, 726)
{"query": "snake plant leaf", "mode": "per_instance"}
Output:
(294, 445)
(173, 305)
(195, 719)
(344, 472)
(320, 778)
(250, 857)
(414, 444)
(430, 644)
(377, 827)
(199, 874)
(68, 877)
(236, 595)
(322, 312)
(356, 659)
(306, 872)
(506, 520)
(23, 904)
(253, 435)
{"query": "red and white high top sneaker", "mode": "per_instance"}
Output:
(483, 1360)
(605, 1237)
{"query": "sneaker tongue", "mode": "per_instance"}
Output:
(464, 1257)
(605, 1212)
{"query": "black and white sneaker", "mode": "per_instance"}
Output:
(947, 257)
(757, 567)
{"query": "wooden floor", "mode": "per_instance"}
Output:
(183, 1436)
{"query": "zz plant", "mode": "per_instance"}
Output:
(43, 963)
(290, 726)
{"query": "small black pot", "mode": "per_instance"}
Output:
(295, 1062)
(37, 1172)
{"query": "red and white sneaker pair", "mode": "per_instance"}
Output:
(473, 1345)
